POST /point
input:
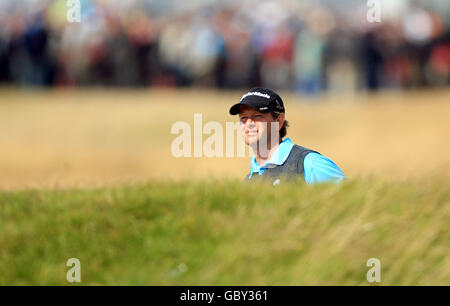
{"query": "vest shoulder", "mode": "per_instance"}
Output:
(299, 150)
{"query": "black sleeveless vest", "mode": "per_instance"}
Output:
(291, 169)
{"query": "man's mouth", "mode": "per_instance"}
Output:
(252, 133)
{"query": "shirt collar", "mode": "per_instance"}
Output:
(278, 157)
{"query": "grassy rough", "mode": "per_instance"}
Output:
(225, 233)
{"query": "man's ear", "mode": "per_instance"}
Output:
(280, 120)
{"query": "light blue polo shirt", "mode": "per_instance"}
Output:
(316, 167)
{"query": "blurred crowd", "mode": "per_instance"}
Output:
(307, 46)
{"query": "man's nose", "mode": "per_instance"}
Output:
(250, 122)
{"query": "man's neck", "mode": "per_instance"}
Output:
(262, 156)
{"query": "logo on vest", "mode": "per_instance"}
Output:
(276, 182)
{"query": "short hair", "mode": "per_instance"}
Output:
(283, 130)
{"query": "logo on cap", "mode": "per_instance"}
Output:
(255, 93)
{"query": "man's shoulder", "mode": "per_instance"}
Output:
(301, 151)
(319, 168)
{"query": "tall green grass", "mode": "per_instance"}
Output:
(226, 233)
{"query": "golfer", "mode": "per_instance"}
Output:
(263, 126)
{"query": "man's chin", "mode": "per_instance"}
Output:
(252, 141)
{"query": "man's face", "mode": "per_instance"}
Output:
(257, 127)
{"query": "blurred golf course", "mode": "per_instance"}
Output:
(90, 174)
